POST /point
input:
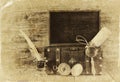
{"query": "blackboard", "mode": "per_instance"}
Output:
(64, 26)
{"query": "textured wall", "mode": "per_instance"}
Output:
(32, 16)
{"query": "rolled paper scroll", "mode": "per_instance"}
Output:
(101, 36)
(76, 70)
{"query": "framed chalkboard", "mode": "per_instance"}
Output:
(64, 26)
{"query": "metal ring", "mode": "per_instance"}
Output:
(55, 67)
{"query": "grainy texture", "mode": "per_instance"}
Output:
(32, 16)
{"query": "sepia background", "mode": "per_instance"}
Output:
(32, 16)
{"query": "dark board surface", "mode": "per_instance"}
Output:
(64, 26)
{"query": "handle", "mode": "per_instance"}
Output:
(93, 66)
(81, 40)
